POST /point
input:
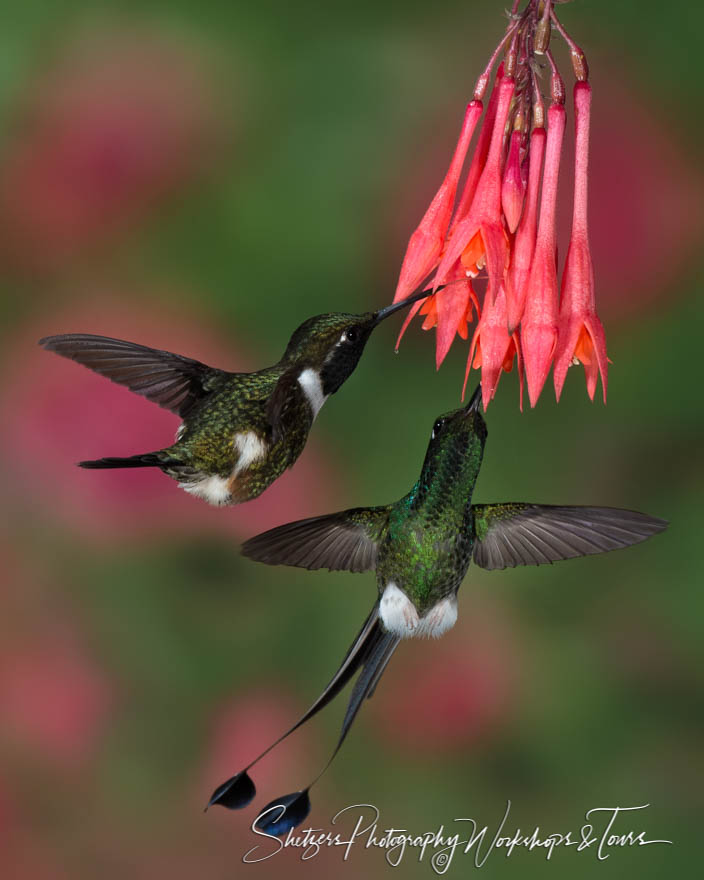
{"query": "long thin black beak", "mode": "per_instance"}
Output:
(474, 400)
(386, 312)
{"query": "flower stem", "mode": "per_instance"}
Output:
(579, 59)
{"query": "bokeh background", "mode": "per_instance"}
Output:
(201, 177)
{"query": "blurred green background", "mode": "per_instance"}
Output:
(201, 177)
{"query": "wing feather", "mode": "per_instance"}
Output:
(345, 541)
(512, 534)
(170, 380)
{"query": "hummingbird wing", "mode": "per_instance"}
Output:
(345, 541)
(515, 533)
(170, 380)
(282, 401)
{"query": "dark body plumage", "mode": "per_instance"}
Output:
(240, 431)
(420, 549)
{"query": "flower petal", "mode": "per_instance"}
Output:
(524, 244)
(426, 242)
(485, 211)
(513, 186)
(452, 303)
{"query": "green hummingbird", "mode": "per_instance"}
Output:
(240, 431)
(420, 549)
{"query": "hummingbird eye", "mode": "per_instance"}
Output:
(350, 335)
(437, 427)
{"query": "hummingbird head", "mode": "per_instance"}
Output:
(332, 344)
(455, 450)
(462, 428)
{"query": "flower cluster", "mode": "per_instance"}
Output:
(501, 225)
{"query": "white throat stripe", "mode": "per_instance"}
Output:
(309, 380)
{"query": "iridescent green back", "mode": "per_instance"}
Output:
(428, 546)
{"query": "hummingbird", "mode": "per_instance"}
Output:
(239, 431)
(420, 549)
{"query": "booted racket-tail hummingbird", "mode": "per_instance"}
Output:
(240, 431)
(420, 549)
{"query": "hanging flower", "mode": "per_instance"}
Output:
(493, 235)
(539, 323)
(493, 348)
(581, 336)
(426, 243)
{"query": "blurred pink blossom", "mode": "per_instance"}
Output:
(25, 856)
(115, 124)
(447, 694)
(646, 208)
(53, 701)
(63, 413)
(244, 728)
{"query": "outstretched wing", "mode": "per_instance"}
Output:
(170, 380)
(513, 534)
(345, 541)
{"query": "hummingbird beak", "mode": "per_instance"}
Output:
(474, 401)
(386, 312)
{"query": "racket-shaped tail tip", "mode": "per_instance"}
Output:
(234, 794)
(284, 813)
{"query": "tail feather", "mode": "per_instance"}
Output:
(374, 660)
(370, 651)
(369, 654)
(149, 459)
(356, 658)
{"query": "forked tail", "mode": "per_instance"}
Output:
(148, 459)
(370, 653)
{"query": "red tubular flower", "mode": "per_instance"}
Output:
(452, 310)
(513, 187)
(482, 228)
(479, 156)
(426, 243)
(539, 324)
(495, 228)
(493, 349)
(524, 244)
(580, 332)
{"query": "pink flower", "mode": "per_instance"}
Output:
(245, 727)
(481, 231)
(450, 309)
(426, 243)
(513, 186)
(539, 324)
(453, 693)
(495, 231)
(493, 349)
(637, 161)
(53, 701)
(524, 245)
(120, 121)
(481, 151)
(580, 335)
